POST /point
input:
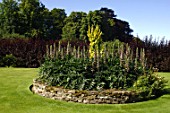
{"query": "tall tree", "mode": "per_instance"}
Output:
(71, 30)
(31, 12)
(104, 18)
(122, 30)
(114, 28)
(8, 17)
(108, 23)
(58, 15)
(53, 23)
(111, 27)
(47, 23)
(92, 18)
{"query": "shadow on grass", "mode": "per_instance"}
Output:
(30, 88)
(166, 91)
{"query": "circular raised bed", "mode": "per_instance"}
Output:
(110, 96)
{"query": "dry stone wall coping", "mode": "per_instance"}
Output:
(110, 96)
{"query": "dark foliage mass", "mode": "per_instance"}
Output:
(28, 52)
(157, 52)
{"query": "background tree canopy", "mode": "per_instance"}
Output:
(30, 18)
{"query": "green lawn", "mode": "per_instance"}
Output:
(15, 97)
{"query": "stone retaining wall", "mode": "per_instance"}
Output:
(111, 96)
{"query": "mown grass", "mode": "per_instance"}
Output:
(15, 97)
